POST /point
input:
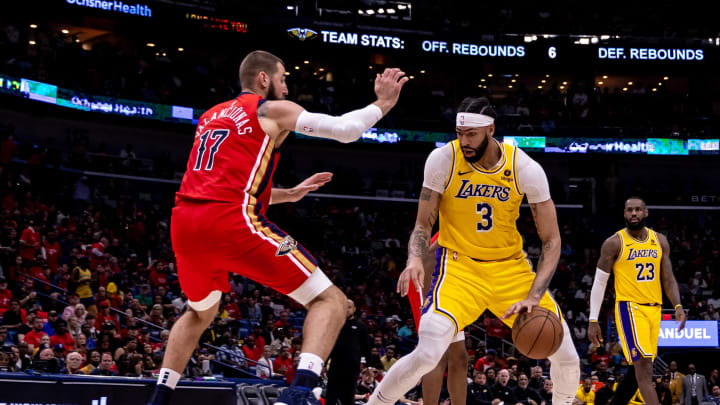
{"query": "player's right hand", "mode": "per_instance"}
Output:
(595, 334)
(415, 272)
(388, 86)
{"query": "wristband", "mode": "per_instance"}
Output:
(678, 305)
(593, 320)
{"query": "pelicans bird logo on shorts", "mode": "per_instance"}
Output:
(288, 245)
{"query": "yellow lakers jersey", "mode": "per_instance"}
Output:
(479, 207)
(637, 269)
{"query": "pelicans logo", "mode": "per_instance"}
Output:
(288, 245)
(302, 33)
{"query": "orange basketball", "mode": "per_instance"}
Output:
(538, 334)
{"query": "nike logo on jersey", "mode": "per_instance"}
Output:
(464, 173)
(629, 244)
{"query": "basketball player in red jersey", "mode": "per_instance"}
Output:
(455, 358)
(225, 192)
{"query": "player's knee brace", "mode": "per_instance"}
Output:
(436, 333)
(565, 369)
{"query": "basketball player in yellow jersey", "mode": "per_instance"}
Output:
(640, 259)
(476, 185)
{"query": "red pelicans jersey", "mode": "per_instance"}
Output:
(232, 159)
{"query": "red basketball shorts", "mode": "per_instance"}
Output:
(213, 239)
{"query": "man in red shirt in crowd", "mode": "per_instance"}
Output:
(62, 336)
(97, 253)
(33, 337)
(252, 351)
(283, 362)
(486, 361)
(283, 322)
(29, 242)
(232, 309)
(158, 274)
(5, 296)
(105, 316)
(51, 251)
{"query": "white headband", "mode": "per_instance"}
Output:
(465, 119)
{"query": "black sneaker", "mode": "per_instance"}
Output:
(297, 396)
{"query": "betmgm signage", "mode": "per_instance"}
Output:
(115, 6)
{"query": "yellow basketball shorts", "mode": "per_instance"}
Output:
(638, 329)
(464, 288)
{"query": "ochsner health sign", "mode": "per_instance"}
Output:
(695, 334)
(115, 6)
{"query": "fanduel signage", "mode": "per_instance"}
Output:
(115, 6)
(695, 334)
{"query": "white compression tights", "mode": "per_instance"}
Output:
(565, 370)
(435, 333)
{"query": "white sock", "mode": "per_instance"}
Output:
(168, 377)
(565, 370)
(435, 334)
(312, 362)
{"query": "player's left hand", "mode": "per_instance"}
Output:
(680, 317)
(312, 183)
(525, 305)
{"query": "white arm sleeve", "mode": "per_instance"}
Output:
(597, 293)
(531, 178)
(346, 128)
(437, 168)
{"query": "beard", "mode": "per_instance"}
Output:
(479, 151)
(272, 95)
(634, 227)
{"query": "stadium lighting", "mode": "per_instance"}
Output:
(562, 87)
(482, 80)
(31, 42)
(370, 11)
(297, 67)
(630, 83)
(509, 86)
(391, 11)
(77, 41)
(370, 67)
(543, 81)
(564, 83)
(490, 75)
(624, 88)
(33, 26)
(381, 11)
(659, 83)
(604, 37)
(181, 49)
(306, 62)
(361, 12)
(290, 8)
(513, 81)
(321, 69)
(547, 75)
(150, 45)
(601, 83)
(411, 77)
(540, 87)
(604, 76)
(422, 72)
(665, 78)
(287, 73)
(584, 41)
(654, 89)
(65, 31)
(401, 7)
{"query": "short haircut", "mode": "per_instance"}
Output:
(256, 62)
(634, 197)
(477, 105)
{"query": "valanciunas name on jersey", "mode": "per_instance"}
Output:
(468, 189)
(235, 113)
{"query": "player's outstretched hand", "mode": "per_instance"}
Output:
(595, 334)
(414, 272)
(525, 305)
(312, 183)
(388, 86)
(680, 317)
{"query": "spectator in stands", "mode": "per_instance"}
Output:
(367, 385)
(49, 326)
(694, 387)
(283, 362)
(5, 296)
(30, 242)
(502, 389)
(524, 394)
(479, 393)
(486, 361)
(93, 362)
(73, 301)
(676, 379)
(106, 366)
(82, 277)
(232, 355)
(251, 351)
(389, 358)
(408, 329)
(546, 392)
(601, 372)
(663, 391)
(264, 366)
(714, 379)
(33, 337)
(536, 378)
(290, 373)
(62, 336)
(4, 342)
(585, 393)
(714, 397)
(73, 361)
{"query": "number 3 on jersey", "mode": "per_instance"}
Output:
(643, 275)
(218, 136)
(486, 221)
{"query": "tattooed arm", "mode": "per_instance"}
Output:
(419, 244)
(546, 223)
